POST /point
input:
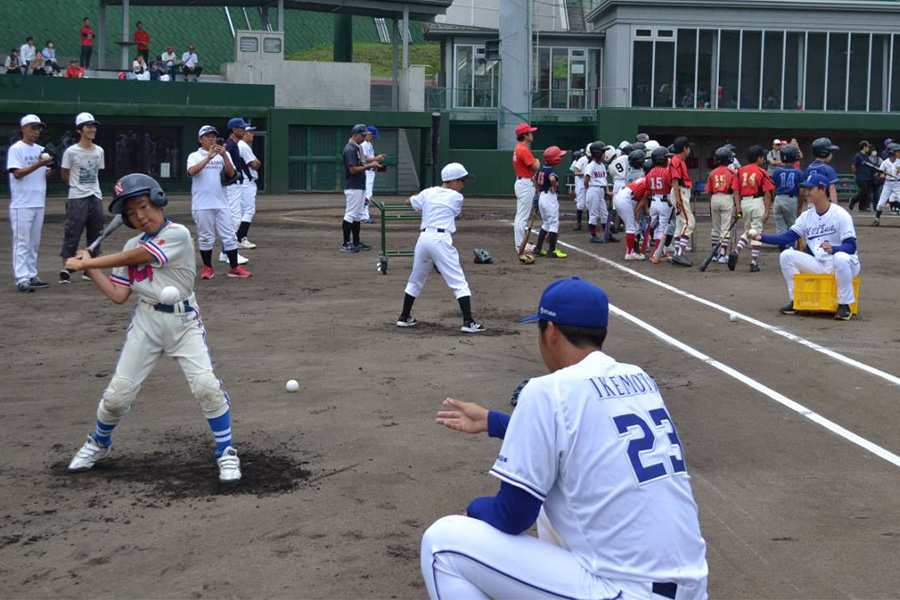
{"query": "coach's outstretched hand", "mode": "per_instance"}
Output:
(468, 417)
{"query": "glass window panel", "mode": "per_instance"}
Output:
(728, 69)
(815, 72)
(641, 74)
(895, 76)
(665, 73)
(774, 52)
(483, 90)
(464, 67)
(859, 70)
(684, 70)
(577, 79)
(793, 71)
(559, 84)
(595, 60)
(837, 71)
(706, 68)
(644, 33)
(881, 48)
(750, 66)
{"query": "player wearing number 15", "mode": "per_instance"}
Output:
(591, 454)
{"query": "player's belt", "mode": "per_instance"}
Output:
(666, 590)
(433, 229)
(517, 178)
(181, 307)
(660, 198)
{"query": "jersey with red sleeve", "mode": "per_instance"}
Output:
(659, 181)
(720, 181)
(752, 181)
(678, 170)
(639, 189)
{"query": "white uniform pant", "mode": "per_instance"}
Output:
(436, 250)
(356, 204)
(26, 226)
(579, 193)
(890, 192)
(211, 221)
(370, 191)
(618, 184)
(753, 211)
(464, 558)
(722, 209)
(234, 192)
(596, 205)
(548, 203)
(785, 210)
(684, 216)
(660, 213)
(248, 201)
(625, 208)
(524, 189)
(151, 335)
(844, 266)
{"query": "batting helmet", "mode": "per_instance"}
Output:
(553, 155)
(597, 149)
(636, 159)
(638, 146)
(609, 154)
(823, 147)
(790, 154)
(642, 138)
(892, 148)
(648, 165)
(577, 154)
(724, 156)
(660, 157)
(132, 186)
(754, 153)
(651, 145)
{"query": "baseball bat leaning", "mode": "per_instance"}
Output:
(715, 250)
(527, 233)
(113, 225)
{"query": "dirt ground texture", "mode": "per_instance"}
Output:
(342, 478)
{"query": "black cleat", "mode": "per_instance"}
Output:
(843, 313)
(788, 310)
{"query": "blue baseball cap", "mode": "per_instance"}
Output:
(374, 131)
(815, 179)
(359, 128)
(574, 302)
(239, 123)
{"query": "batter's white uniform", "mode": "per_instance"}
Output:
(248, 189)
(890, 191)
(595, 443)
(833, 227)
(439, 207)
(26, 208)
(368, 152)
(580, 165)
(209, 205)
(625, 205)
(619, 170)
(596, 193)
(153, 333)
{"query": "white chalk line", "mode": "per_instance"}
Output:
(759, 387)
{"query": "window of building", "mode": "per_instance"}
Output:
(729, 67)
(773, 58)
(838, 54)
(707, 67)
(816, 55)
(685, 68)
(879, 73)
(664, 74)
(560, 78)
(894, 93)
(642, 73)
(751, 69)
(794, 70)
(477, 79)
(858, 69)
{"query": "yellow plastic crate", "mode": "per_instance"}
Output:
(818, 293)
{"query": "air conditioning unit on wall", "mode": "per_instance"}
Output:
(250, 46)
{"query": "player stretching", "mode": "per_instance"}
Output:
(439, 207)
(162, 256)
(590, 454)
(627, 201)
(830, 240)
(546, 181)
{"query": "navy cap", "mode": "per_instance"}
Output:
(359, 128)
(574, 302)
(374, 131)
(815, 179)
(238, 123)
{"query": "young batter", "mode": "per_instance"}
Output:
(546, 181)
(162, 256)
(439, 207)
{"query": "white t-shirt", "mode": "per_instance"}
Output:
(439, 207)
(835, 226)
(579, 164)
(169, 58)
(597, 172)
(189, 59)
(246, 153)
(595, 443)
(84, 169)
(619, 168)
(206, 186)
(368, 152)
(174, 263)
(31, 190)
(26, 53)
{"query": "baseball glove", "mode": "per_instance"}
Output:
(482, 256)
(526, 259)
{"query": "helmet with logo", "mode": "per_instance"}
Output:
(660, 157)
(636, 159)
(790, 154)
(553, 155)
(723, 156)
(609, 154)
(132, 186)
(823, 147)
(651, 145)
(597, 149)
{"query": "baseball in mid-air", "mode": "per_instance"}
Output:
(292, 385)
(45, 156)
(169, 295)
(733, 318)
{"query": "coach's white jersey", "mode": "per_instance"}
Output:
(439, 206)
(835, 226)
(596, 444)
(174, 263)
(580, 165)
(619, 168)
(31, 190)
(597, 172)
(368, 152)
(207, 191)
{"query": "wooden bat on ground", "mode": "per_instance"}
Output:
(113, 225)
(715, 250)
(527, 233)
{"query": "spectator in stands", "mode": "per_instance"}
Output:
(13, 63)
(796, 144)
(75, 70)
(142, 39)
(36, 66)
(27, 51)
(87, 44)
(157, 70)
(189, 64)
(49, 54)
(139, 68)
(773, 158)
(170, 61)
(862, 168)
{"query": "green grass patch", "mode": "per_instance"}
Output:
(379, 56)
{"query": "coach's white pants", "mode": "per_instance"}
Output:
(234, 192)
(464, 558)
(579, 192)
(26, 226)
(524, 189)
(356, 204)
(248, 201)
(548, 204)
(436, 250)
(211, 221)
(596, 205)
(890, 192)
(625, 208)
(844, 266)
(660, 213)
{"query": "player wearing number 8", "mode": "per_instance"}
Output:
(590, 454)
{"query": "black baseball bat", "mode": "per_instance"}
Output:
(712, 254)
(113, 225)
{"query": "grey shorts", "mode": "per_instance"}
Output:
(82, 214)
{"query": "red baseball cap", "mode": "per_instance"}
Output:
(522, 128)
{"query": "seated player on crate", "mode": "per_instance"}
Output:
(830, 238)
(159, 265)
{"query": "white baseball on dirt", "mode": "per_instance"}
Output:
(733, 318)
(169, 295)
(45, 156)
(292, 385)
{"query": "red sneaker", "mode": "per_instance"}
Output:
(240, 272)
(206, 273)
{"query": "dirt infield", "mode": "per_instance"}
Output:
(342, 478)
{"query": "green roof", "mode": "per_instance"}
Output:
(204, 27)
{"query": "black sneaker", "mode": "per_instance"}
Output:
(37, 282)
(732, 260)
(65, 276)
(596, 240)
(754, 268)
(360, 247)
(788, 310)
(24, 286)
(348, 247)
(843, 313)
(472, 327)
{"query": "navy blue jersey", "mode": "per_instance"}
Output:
(545, 176)
(787, 181)
(240, 166)
(823, 169)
